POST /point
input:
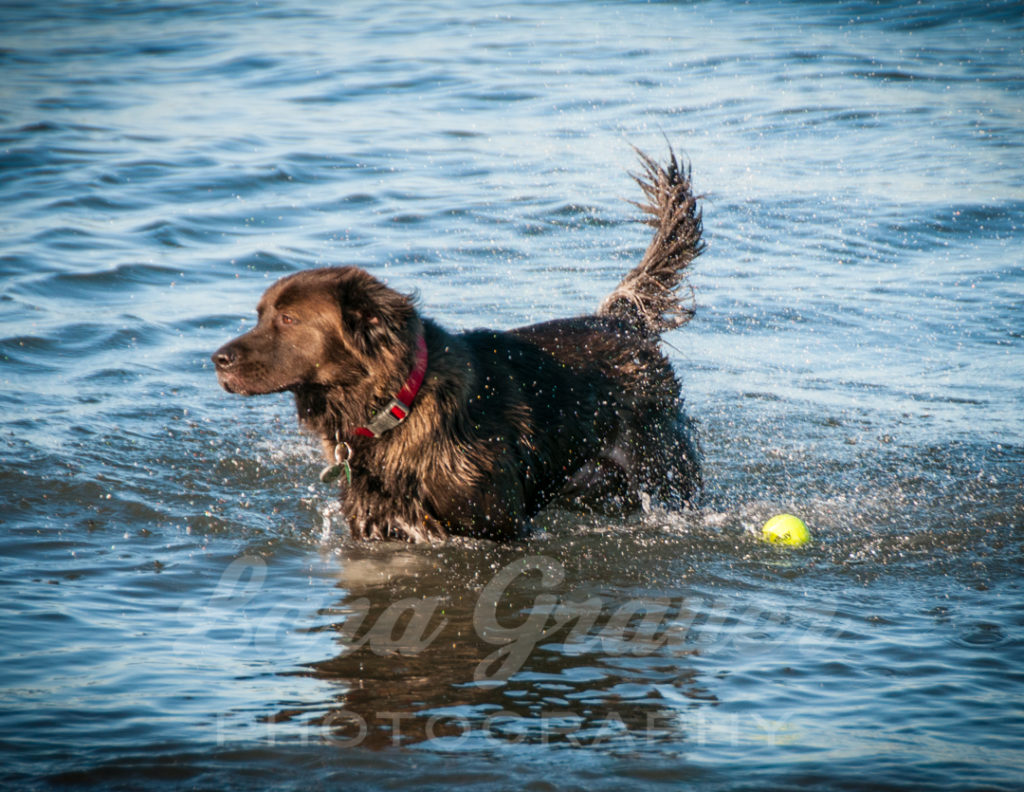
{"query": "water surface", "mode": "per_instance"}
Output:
(180, 605)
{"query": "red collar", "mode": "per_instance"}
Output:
(399, 407)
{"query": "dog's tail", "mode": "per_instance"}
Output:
(648, 296)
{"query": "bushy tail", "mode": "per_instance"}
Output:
(649, 295)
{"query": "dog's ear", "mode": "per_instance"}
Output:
(372, 313)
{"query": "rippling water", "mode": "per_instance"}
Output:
(180, 606)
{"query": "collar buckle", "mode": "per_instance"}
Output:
(387, 419)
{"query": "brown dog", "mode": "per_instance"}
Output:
(434, 433)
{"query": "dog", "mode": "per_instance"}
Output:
(436, 434)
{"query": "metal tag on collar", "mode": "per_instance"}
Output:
(332, 472)
(388, 418)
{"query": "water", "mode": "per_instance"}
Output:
(180, 606)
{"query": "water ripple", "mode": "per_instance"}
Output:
(182, 605)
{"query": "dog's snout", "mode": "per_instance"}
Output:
(225, 357)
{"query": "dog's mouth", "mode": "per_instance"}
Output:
(234, 383)
(227, 384)
(231, 384)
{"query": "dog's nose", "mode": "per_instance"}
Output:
(224, 358)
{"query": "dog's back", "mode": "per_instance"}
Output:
(652, 447)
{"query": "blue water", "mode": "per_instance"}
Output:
(180, 607)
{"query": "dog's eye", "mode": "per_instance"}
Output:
(287, 319)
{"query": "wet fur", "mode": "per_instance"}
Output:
(585, 409)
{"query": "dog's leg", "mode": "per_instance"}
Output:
(373, 515)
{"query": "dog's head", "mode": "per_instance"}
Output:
(331, 327)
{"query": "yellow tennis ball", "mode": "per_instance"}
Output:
(786, 529)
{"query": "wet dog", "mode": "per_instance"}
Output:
(434, 434)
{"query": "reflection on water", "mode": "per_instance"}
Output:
(519, 658)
